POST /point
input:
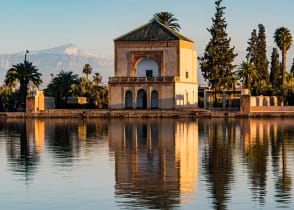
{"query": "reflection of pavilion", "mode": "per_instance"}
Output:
(36, 133)
(156, 162)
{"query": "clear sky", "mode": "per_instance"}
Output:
(93, 24)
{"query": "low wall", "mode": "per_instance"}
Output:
(272, 109)
(263, 104)
(98, 113)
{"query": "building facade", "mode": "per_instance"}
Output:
(155, 68)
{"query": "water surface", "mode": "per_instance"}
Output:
(146, 164)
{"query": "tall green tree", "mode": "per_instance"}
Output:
(61, 86)
(261, 61)
(276, 71)
(23, 73)
(217, 62)
(283, 39)
(168, 19)
(256, 54)
(87, 69)
(252, 48)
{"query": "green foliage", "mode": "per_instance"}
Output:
(68, 84)
(252, 48)
(248, 75)
(8, 98)
(261, 61)
(256, 55)
(217, 62)
(276, 71)
(95, 92)
(23, 74)
(283, 39)
(168, 19)
(62, 86)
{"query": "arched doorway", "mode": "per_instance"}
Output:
(154, 99)
(141, 99)
(129, 100)
(147, 68)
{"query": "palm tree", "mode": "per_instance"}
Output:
(283, 39)
(97, 78)
(23, 73)
(87, 69)
(168, 19)
(62, 86)
(248, 74)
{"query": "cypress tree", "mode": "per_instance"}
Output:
(217, 62)
(261, 62)
(276, 71)
(251, 49)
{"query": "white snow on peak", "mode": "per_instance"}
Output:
(71, 51)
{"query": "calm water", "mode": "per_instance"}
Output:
(147, 164)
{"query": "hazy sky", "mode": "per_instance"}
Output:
(93, 24)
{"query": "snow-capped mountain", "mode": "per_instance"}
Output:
(50, 61)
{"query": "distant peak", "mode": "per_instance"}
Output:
(72, 50)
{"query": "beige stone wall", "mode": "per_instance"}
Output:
(169, 50)
(186, 95)
(167, 96)
(115, 97)
(188, 63)
(35, 103)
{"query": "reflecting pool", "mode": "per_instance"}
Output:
(146, 164)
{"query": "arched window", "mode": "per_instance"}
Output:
(141, 99)
(154, 99)
(129, 100)
(147, 68)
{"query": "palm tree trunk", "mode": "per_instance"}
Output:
(23, 93)
(284, 68)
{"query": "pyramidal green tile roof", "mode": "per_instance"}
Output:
(152, 31)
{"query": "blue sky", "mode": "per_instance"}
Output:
(93, 24)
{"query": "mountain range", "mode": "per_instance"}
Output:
(66, 57)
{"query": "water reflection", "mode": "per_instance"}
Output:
(218, 159)
(265, 141)
(156, 162)
(63, 138)
(23, 151)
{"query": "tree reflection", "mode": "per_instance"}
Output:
(63, 142)
(256, 155)
(69, 137)
(258, 135)
(23, 155)
(217, 159)
(284, 181)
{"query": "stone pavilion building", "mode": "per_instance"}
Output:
(155, 68)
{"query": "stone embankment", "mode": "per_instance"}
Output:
(95, 113)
